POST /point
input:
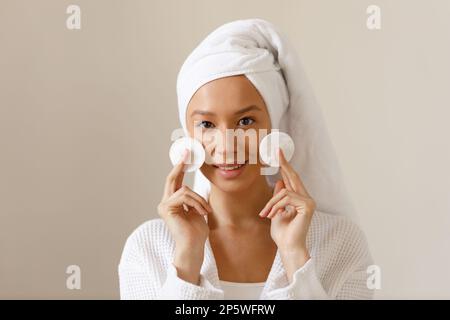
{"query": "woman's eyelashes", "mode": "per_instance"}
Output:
(205, 124)
(246, 121)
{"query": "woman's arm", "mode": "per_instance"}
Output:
(143, 273)
(306, 285)
(347, 257)
(142, 276)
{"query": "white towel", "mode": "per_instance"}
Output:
(261, 52)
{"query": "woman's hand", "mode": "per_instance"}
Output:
(290, 227)
(183, 211)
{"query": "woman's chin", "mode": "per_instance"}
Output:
(231, 186)
(232, 182)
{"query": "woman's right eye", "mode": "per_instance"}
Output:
(205, 124)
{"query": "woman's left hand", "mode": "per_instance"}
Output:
(290, 227)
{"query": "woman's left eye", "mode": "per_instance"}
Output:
(246, 121)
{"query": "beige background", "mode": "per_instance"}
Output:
(85, 118)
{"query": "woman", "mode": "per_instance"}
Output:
(238, 239)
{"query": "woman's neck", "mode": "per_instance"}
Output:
(239, 209)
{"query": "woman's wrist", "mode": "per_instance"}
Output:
(188, 262)
(293, 259)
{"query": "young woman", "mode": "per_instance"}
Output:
(240, 240)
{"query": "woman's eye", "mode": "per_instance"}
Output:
(205, 124)
(246, 121)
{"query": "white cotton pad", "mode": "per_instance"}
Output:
(197, 153)
(269, 144)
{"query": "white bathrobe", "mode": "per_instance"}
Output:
(337, 268)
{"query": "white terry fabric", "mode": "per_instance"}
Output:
(337, 268)
(257, 49)
(241, 291)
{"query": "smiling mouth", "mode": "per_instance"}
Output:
(230, 167)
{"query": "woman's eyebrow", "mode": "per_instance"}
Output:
(202, 113)
(244, 110)
(249, 108)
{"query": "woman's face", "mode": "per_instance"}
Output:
(229, 103)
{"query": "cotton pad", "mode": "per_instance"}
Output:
(269, 144)
(197, 153)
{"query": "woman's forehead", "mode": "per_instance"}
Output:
(227, 94)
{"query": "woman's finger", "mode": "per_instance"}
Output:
(281, 194)
(285, 172)
(280, 205)
(294, 179)
(182, 198)
(279, 211)
(175, 177)
(278, 186)
(191, 202)
(200, 199)
(178, 197)
(286, 181)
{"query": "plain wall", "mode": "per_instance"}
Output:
(86, 117)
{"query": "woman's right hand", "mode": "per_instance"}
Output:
(188, 228)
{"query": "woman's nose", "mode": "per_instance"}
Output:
(225, 144)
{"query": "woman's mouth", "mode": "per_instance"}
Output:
(230, 171)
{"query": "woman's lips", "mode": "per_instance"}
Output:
(230, 171)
